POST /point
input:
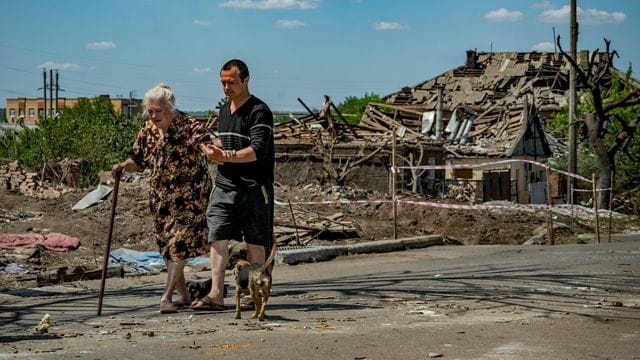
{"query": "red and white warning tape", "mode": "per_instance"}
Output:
(434, 204)
(591, 190)
(486, 164)
(333, 202)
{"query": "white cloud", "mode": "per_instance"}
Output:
(546, 46)
(556, 15)
(503, 15)
(596, 17)
(386, 25)
(586, 17)
(59, 66)
(271, 4)
(202, 70)
(290, 24)
(545, 4)
(101, 45)
(201, 22)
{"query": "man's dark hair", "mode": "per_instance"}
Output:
(243, 70)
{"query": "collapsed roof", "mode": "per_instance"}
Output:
(492, 89)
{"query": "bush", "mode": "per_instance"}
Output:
(90, 131)
(353, 107)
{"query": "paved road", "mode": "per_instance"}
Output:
(451, 302)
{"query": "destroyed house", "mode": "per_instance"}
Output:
(492, 108)
(323, 147)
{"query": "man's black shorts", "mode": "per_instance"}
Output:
(242, 215)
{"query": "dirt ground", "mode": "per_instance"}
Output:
(374, 221)
(489, 302)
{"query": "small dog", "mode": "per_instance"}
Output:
(255, 280)
(200, 289)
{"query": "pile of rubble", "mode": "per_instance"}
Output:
(14, 178)
(308, 213)
(481, 103)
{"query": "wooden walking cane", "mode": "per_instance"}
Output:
(107, 249)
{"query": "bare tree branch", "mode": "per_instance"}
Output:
(633, 98)
(598, 121)
(580, 73)
(344, 171)
(624, 137)
(415, 174)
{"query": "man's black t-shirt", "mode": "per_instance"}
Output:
(251, 125)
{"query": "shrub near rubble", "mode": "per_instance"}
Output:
(91, 130)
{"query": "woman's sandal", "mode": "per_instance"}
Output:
(168, 308)
(207, 304)
(181, 304)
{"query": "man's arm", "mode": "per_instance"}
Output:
(215, 153)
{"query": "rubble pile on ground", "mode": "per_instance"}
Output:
(15, 178)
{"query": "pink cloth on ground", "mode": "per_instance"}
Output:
(51, 241)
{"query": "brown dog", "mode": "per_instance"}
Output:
(255, 280)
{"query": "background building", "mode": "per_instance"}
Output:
(30, 111)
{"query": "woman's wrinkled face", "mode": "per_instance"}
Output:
(159, 113)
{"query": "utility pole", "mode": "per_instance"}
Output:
(57, 89)
(573, 133)
(51, 92)
(44, 93)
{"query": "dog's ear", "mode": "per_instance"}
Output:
(241, 264)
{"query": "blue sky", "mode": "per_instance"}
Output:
(294, 48)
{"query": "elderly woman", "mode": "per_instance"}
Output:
(168, 144)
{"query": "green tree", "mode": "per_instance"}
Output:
(609, 114)
(627, 159)
(91, 131)
(353, 107)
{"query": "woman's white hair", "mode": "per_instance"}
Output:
(160, 93)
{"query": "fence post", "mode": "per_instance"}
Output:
(595, 206)
(295, 224)
(552, 239)
(393, 183)
(610, 206)
(570, 195)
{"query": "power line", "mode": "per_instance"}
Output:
(19, 70)
(82, 57)
(177, 69)
(13, 92)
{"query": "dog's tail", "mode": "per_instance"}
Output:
(268, 264)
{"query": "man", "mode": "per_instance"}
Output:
(241, 203)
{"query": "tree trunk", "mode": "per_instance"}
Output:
(606, 161)
(604, 182)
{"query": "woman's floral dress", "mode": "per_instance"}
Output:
(179, 185)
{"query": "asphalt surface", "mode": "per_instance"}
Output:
(451, 302)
